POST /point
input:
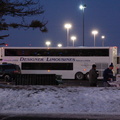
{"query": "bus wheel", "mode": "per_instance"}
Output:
(87, 76)
(79, 76)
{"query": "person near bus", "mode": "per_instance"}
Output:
(93, 76)
(108, 75)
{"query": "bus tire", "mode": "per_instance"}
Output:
(87, 76)
(79, 76)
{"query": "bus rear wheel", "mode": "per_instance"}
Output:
(79, 76)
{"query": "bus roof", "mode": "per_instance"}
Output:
(79, 47)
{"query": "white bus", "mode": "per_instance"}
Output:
(70, 62)
(118, 64)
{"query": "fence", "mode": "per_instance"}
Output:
(37, 79)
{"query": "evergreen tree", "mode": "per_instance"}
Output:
(21, 9)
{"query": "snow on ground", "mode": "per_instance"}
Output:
(60, 99)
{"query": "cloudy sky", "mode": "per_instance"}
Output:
(102, 15)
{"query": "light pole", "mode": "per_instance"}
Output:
(73, 38)
(82, 7)
(103, 37)
(59, 45)
(48, 43)
(94, 32)
(68, 26)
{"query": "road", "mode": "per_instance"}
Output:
(59, 117)
(80, 83)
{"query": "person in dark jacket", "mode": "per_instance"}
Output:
(93, 76)
(108, 75)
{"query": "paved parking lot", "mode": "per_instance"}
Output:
(58, 117)
(80, 83)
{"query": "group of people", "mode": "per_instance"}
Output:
(107, 76)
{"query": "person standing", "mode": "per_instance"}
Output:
(93, 76)
(108, 75)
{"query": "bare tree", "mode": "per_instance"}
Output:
(21, 9)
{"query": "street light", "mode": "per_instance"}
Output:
(68, 26)
(59, 45)
(94, 32)
(103, 37)
(73, 38)
(82, 7)
(48, 43)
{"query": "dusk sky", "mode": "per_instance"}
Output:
(103, 15)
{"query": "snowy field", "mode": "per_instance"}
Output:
(58, 99)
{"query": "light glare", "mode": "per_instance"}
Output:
(94, 32)
(73, 38)
(48, 43)
(82, 7)
(103, 37)
(67, 25)
(59, 45)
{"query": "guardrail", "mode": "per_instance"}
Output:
(37, 79)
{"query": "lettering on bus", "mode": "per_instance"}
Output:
(47, 59)
(60, 59)
(83, 60)
(31, 59)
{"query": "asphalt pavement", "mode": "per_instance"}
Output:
(59, 117)
(84, 83)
